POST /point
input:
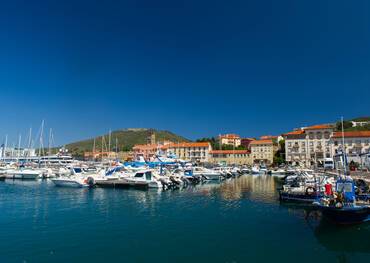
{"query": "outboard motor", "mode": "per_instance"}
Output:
(90, 181)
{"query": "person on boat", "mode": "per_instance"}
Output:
(328, 189)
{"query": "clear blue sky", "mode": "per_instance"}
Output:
(197, 68)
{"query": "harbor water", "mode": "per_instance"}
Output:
(239, 220)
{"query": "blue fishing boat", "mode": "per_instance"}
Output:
(342, 207)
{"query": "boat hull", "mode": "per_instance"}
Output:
(350, 215)
(68, 183)
(296, 197)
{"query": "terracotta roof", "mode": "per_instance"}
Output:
(269, 141)
(250, 139)
(229, 152)
(266, 137)
(187, 145)
(319, 127)
(352, 134)
(298, 132)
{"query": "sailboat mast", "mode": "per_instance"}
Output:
(93, 154)
(29, 143)
(19, 147)
(5, 146)
(49, 143)
(343, 149)
(102, 139)
(109, 141)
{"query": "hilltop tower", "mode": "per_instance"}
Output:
(151, 138)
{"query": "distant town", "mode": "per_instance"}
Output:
(304, 146)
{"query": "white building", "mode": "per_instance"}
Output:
(190, 151)
(296, 148)
(308, 146)
(360, 123)
(230, 139)
(263, 151)
(10, 152)
(356, 144)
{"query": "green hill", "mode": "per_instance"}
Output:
(347, 124)
(125, 139)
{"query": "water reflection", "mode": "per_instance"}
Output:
(258, 188)
(353, 238)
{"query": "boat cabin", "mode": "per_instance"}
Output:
(146, 175)
(347, 187)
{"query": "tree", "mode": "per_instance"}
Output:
(279, 157)
(346, 125)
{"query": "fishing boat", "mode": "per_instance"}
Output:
(303, 187)
(342, 207)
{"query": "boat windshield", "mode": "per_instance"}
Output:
(77, 170)
(344, 187)
(139, 175)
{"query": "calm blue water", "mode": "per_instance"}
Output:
(237, 221)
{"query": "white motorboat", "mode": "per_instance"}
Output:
(263, 169)
(73, 181)
(255, 170)
(142, 178)
(207, 174)
(24, 174)
(281, 173)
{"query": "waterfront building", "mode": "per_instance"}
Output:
(296, 148)
(263, 151)
(147, 151)
(356, 144)
(13, 152)
(190, 151)
(308, 146)
(246, 142)
(229, 157)
(230, 139)
(318, 137)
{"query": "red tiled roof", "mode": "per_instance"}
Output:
(319, 127)
(229, 152)
(352, 134)
(298, 132)
(266, 137)
(269, 141)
